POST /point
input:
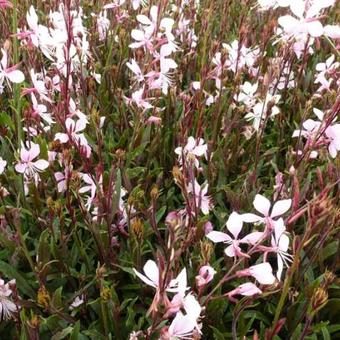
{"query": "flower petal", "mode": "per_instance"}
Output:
(218, 236)
(262, 204)
(280, 207)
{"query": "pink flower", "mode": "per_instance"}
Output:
(332, 31)
(206, 274)
(27, 165)
(263, 206)
(306, 20)
(138, 98)
(333, 135)
(194, 149)
(90, 187)
(7, 307)
(262, 272)
(5, 4)
(201, 199)
(73, 133)
(234, 225)
(245, 289)
(181, 327)
(134, 67)
(11, 74)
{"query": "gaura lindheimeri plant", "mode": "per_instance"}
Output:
(169, 169)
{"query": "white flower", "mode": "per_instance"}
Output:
(192, 150)
(3, 164)
(7, 307)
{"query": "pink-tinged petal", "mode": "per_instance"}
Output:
(218, 236)
(41, 164)
(251, 218)
(279, 228)
(206, 273)
(288, 23)
(24, 154)
(20, 167)
(311, 125)
(318, 112)
(151, 271)
(248, 289)
(279, 267)
(262, 204)
(332, 31)
(4, 59)
(144, 20)
(80, 125)
(179, 284)
(284, 243)
(192, 307)
(263, 273)
(154, 13)
(32, 18)
(34, 151)
(62, 137)
(200, 150)
(15, 76)
(332, 150)
(230, 251)
(190, 144)
(70, 125)
(281, 207)
(137, 35)
(234, 224)
(144, 278)
(181, 325)
(252, 238)
(315, 29)
(298, 7)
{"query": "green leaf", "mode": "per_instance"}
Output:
(22, 283)
(62, 334)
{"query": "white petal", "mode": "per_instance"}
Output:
(261, 204)
(15, 76)
(280, 207)
(250, 218)
(315, 29)
(252, 238)
(151, 271)
(217, 236)
(41, 164)
(234, 224)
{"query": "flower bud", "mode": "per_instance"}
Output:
(319, 299)
(43, 297)
(137, 229)
(206, 274)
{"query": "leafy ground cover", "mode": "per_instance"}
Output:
(169, 169)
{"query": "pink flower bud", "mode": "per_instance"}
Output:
(206, 274)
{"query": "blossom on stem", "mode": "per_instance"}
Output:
(202, 200)
(7, 307)
(205, 275)
(27, 164)
(262, 272)
(263, 206)
(194, 149)
(10, 74)
(234, 225)
(245, 289)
